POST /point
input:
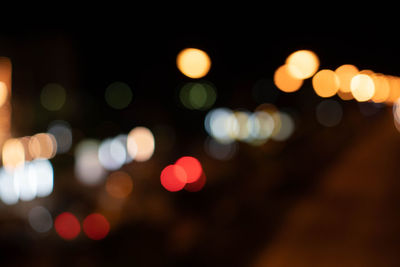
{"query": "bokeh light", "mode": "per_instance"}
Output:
(13, 153)
(173, 178)
(53, 96)
(40, 219)
(302, 64)
(25, 180)
(362, 87)
(192, 167)
(43, 171)
(88, 169)
(118, 95)
(119, 184)
(112, 154)
(198, 95)
(67, 226)
(9, 191)
(382, 88)
(3, 93)
(96, 226)
(262, 125)
(140, 143)
(325, 83)
(345, 73)
(286, 127)
(329, 113)
(42, 145)
(196, 185)
(285, 81)
(220, 151)
(221, 124)
(61, 130)
(193, 63)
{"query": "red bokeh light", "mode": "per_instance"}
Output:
(192, 168)
(96, 226)
(197, 185)
(67, 226)
(173, 178)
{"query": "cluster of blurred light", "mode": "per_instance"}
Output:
(226, 126)
(95, 226)
(53, 96)
(298, 66)
(94, 158)
(16, 151)
(26, 181)
(198, 95)
(187, 173)
(193, 63)
(118, 95)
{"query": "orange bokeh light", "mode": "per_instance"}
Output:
(119, 184)
(325, 83)
(96, 226)
(13, 153)
(67, 226)
(173, 178)
(345, 73)
(192, 168)
(42, 145)
(302, 64)
(286, 82)
(193, 63)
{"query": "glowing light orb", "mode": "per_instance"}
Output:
(302, 64)
(96, 226)
(192, 167)
(118, 95)
(362, 87)
(140, 143)
(67, 226)
(40, 219)
(193, 63)
(285, 81)
(325, 83)
(345, 73)
(197, 185)
(173, 178)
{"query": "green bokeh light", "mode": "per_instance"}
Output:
(53, 96)
(118, 95)
(198, 95)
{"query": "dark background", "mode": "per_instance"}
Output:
(247, 200)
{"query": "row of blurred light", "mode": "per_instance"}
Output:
(94, 158)
(67, 226)
(347, 81)
(255, 128)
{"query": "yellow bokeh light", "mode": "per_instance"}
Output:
(382, 88)
(42, 145)
(302, 64)
(345, 95)
(362, 87)
(13, 153)
(325, 83)
(286, 82)
(345, 73)
(140, 144)
(193, 63)
(394, 84)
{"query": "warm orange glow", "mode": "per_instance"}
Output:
(140, 143)
(382, 88)
(173, 178)
(345, 95)
(25, 142)
(345, 73)
(394, 94)
(192, 168)
(3, 93)
(286, 82)
(13, 153)
(325, 83)
(362, 87)
(302, 64)
(119, 184)
(42, 145)
(5, 96)
(193, 63)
